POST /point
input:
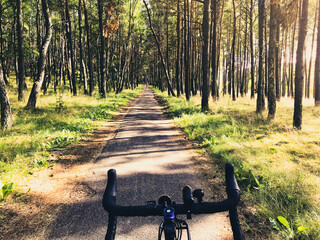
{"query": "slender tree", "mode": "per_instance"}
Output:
(91, 86)
(102, 50)
(298, 93)
(21, 75)
(205, 33)
(260, 97)
(307, 93)
(252, 49)
(178, 49)
(71, 49)
(234, 50)
(317, 66)
(6, 120)
(214, 51)
(42, 58)
(271, 61)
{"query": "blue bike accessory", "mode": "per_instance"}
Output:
(168, 213)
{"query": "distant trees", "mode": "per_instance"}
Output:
(101, 45)
(164, 66)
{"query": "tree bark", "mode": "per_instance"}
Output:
(233, 50)
(271, 61)
(82, 73)
(178, 49)
(252, 50)
(102, 50)
(1, 45)
(186, 51)
(277, 53)
(214, 51)
(91, 85)
(311, 57)
(260, 97)
(42, 58)
(317, 66)
(6, 119)
(21, 75)
(205, 33)
(298, 93)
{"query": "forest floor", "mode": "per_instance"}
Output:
(63, 200)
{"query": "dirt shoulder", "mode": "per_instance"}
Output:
(29, 216)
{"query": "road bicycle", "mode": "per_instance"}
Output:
(171, 227)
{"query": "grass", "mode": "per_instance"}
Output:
(277, 167)
(25, 147)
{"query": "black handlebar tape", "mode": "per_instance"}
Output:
(188, 200)
(233, 192)
(109, 196)
(232, 188)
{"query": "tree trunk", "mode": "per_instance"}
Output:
(21, 75)
(159, 50)
(292, 53)
(178, 49)
(82, 74)
(311, 57)
(260, 97)
(298, 93)
(271, 61)
(205, 33)
(42, 58)
(91, 85)
(102, 50)
(214, 51)
(1, 46)
(186, 51)
(69, 38)
(252, 50)
(277, 51)
(233, 50)
(219, 45)
(6, 120)
(317, 66)
(284, 70)
(266, 57)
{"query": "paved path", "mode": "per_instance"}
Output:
(149, 163)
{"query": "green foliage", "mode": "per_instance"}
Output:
(6, 190)
(65, 139)
(289, 231)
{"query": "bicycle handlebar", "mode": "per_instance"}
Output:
(109, 200)
(230, 204)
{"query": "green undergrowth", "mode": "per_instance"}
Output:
(25, 148)
(277, 168)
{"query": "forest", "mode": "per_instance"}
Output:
(255, 61)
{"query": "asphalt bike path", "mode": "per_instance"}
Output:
(149, 163)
